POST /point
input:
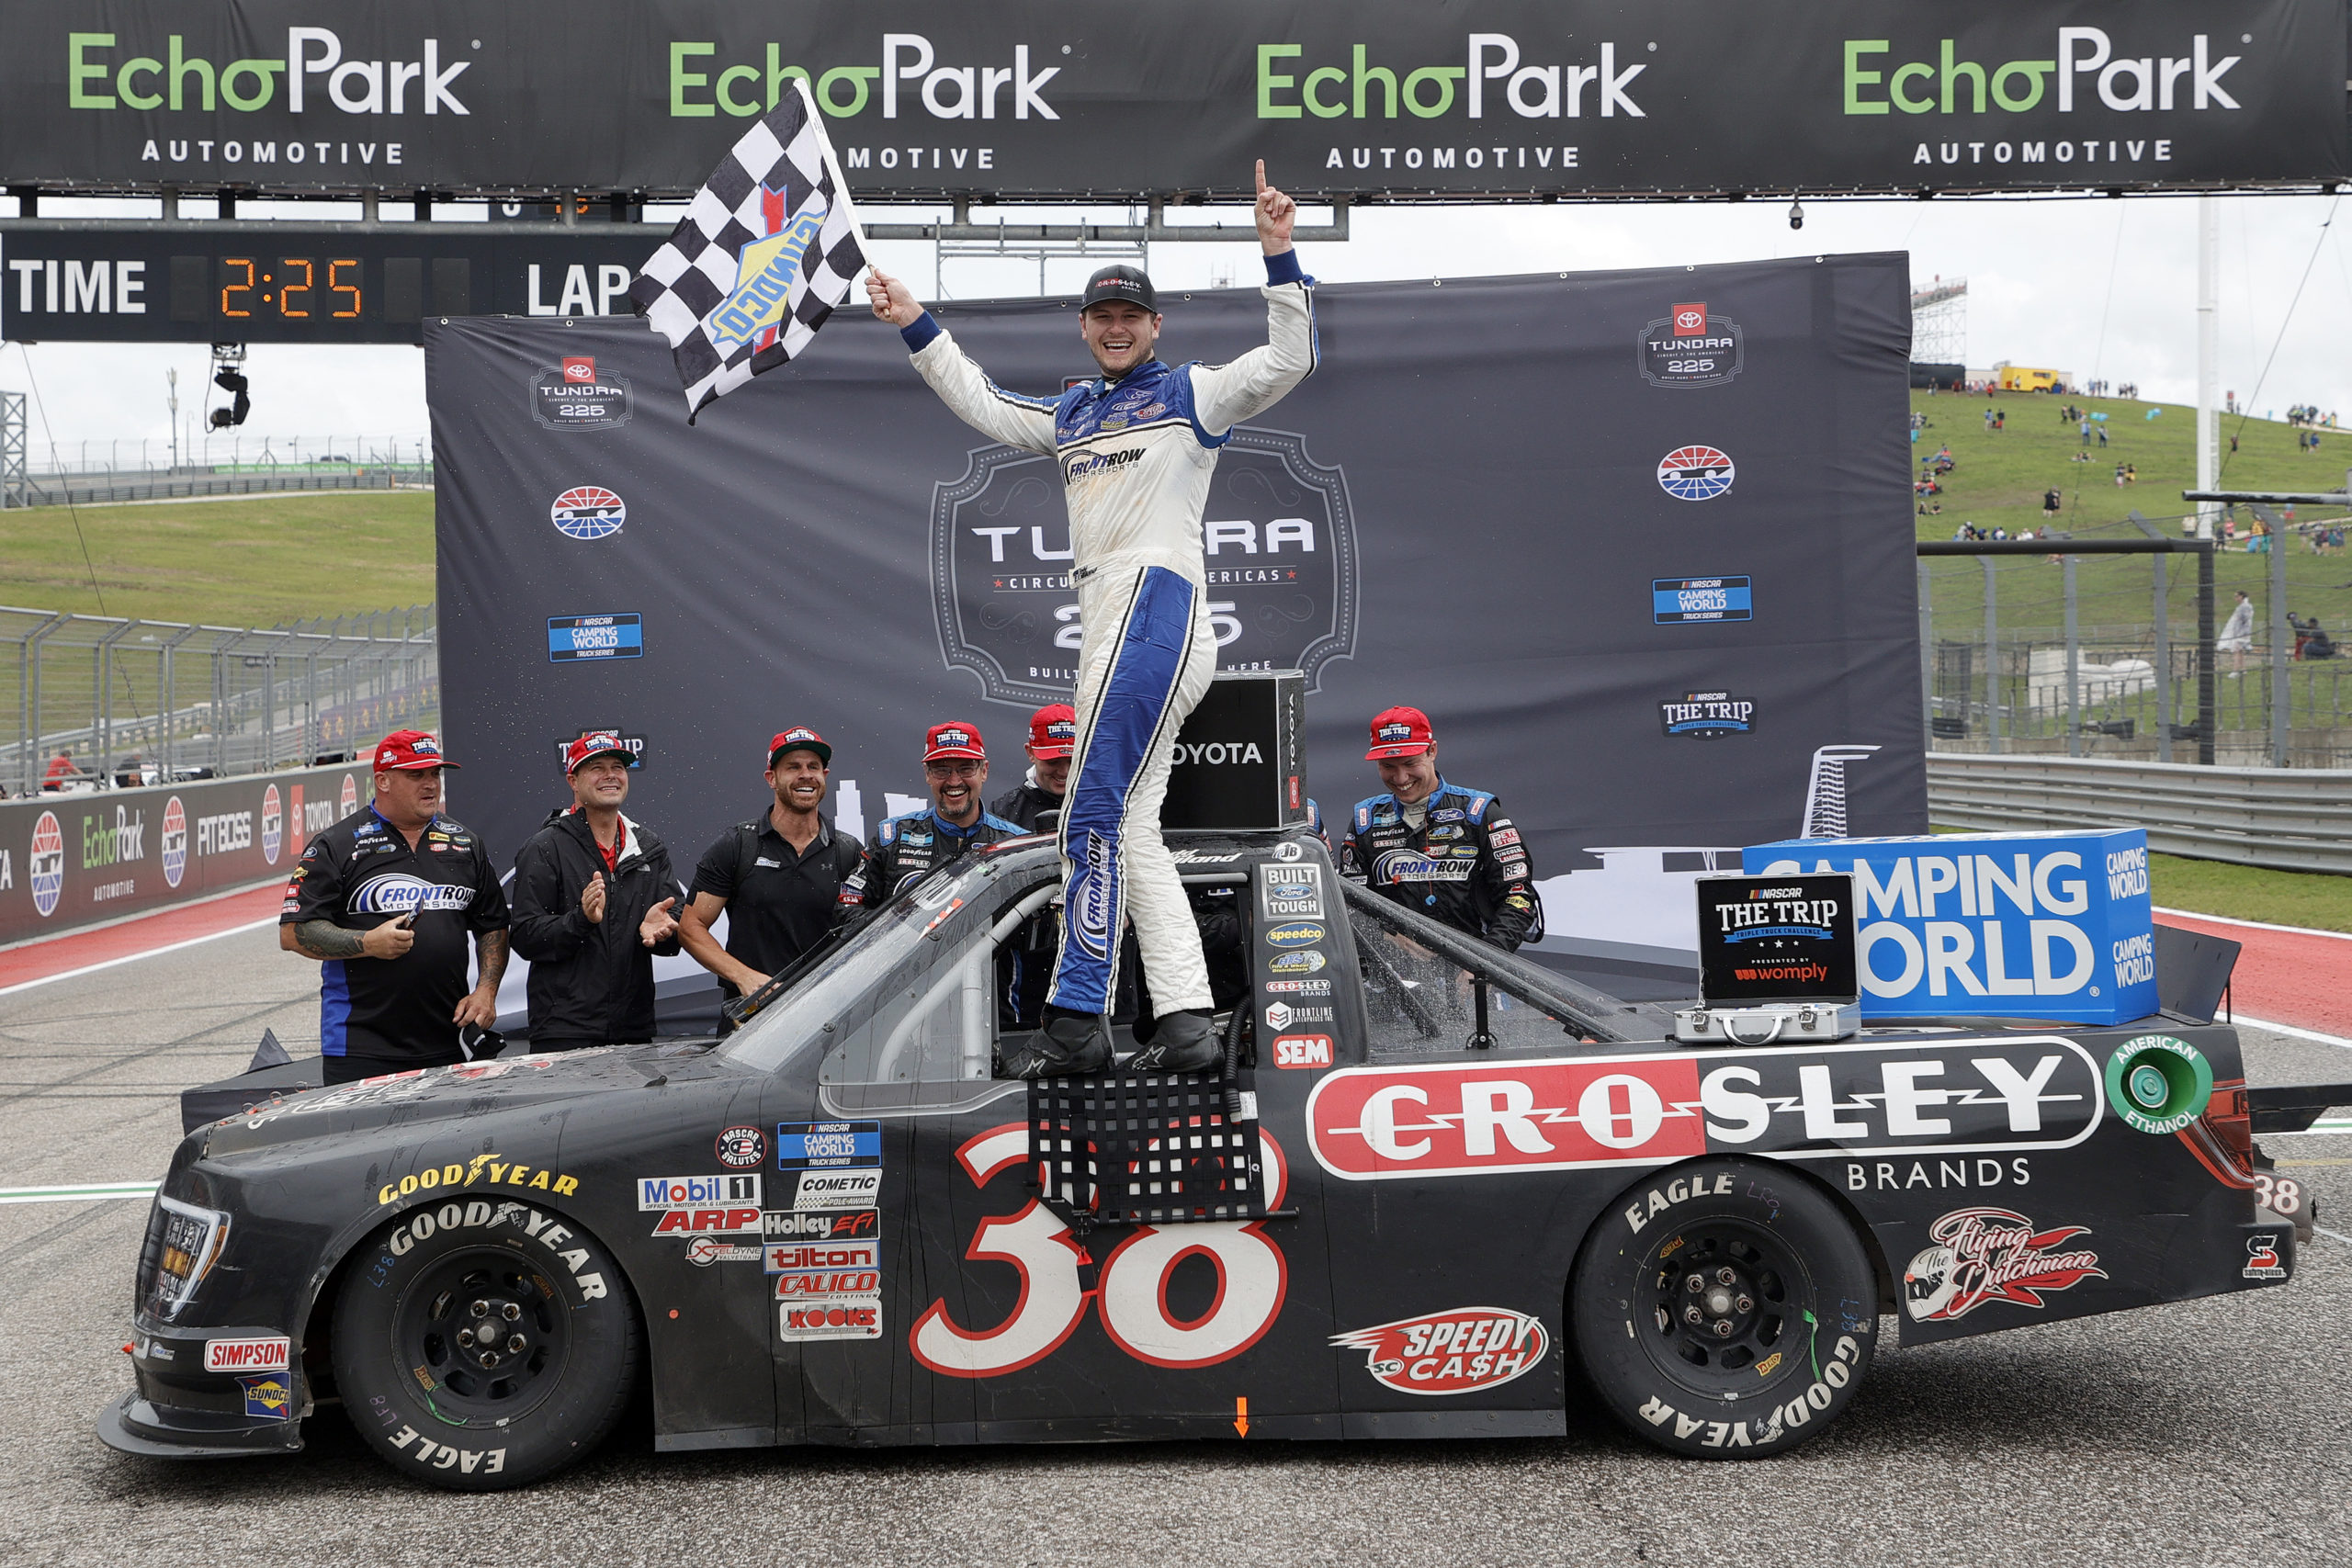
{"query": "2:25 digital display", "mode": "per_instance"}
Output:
(290, 287)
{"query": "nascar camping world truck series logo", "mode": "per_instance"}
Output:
(1278, 540)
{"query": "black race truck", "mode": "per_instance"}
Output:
(1435, 1191)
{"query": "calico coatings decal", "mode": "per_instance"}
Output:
(2036, 1092)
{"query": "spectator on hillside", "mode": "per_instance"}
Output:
(2052, 500)
(2237, 632)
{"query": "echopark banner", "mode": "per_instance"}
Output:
(1639, 542)
(1055, 97)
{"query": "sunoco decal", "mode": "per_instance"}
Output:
(1462, 1351)
(1993, 1255)
(1955, 1096)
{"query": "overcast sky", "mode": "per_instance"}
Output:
(2099, 288)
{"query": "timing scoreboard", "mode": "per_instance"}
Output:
(126, 281)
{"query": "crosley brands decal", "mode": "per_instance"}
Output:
(1963, 1097)
(1279, 550)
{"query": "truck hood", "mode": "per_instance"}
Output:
(424, 1097)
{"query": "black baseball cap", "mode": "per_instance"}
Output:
(1120, 284)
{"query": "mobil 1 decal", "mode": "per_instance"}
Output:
(1278, 542)
(1948, 1098)
(1689, 346)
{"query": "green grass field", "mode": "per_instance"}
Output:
(2002, 475)
(240, 562)
(2250, 893)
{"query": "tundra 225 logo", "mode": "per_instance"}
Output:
(1278, 538)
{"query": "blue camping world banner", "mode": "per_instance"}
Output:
(1662, 609)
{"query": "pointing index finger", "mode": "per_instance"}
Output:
(1261, 176)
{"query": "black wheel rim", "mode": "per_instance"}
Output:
(483, 1336)
(1723, 1309)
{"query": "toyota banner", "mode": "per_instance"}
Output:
(1640, 543)
(1500, 98)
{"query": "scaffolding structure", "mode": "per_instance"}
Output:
(1939, 323)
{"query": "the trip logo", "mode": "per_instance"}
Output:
(1706, 716)
(1278, 546)
(1688, 346)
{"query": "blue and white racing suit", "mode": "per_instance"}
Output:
(1135, 456)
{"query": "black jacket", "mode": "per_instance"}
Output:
(591, 984)
(1467, 865)
(1030, 806)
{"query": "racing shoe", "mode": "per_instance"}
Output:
(1072, 1044)
(1182, 1042)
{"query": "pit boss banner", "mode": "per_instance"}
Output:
(1044, 97)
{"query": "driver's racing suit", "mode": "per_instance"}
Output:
(1136, 456)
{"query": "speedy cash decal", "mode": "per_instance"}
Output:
(1956, 1097)
(1462, 1351)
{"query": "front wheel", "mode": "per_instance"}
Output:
(1725, 1310)
(484, 1344)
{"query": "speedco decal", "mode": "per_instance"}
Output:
(1993, 1255)
(1955, 1096)
(1460, 1351)
(270, 1354)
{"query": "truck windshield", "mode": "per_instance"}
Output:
(840, 988)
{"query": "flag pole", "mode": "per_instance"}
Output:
(832, 167)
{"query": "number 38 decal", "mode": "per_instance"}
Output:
(2280, 1195)
(1131, 1292)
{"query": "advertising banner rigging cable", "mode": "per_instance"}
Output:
(1031, 98)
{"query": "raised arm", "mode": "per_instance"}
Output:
(1223, 395)
(1026, 422)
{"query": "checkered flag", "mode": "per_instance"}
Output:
(767, 248)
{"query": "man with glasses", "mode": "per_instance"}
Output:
(955, 764)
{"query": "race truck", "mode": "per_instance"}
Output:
(1432, 1191)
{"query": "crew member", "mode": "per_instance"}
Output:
(1136, 446)
(779, 877)
(1035, 805)
(594, 896)
(1449, 853)
(384, 900)
(956, 765)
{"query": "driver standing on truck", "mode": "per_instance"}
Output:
(1136, 446)
(384, 900)
(1448, 852)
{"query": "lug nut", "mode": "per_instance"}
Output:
(487, 1360)
(1693, 1314)
(480, 1308)
(465, 1336)
(516, 1343)
(1746, 1304)
(510, 1311)
(1694, 1284)
(1724, 1276)
(1723, 1328)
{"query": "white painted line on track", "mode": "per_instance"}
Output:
(174, 947)
(2275, 1029)
(2331, 1236)
(86, 1193)
(2253, 925)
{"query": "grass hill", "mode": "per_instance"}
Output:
(241, 561)
(2002, 473)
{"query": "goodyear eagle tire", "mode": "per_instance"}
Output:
(1724, 1309)
(482, 1344)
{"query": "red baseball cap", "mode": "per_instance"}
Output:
(1053, 730)
(953, 739)
(596, 743)
(1399, 732)
(799, 737)
(407, 751)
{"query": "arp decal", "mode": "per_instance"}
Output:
(1466, 1350)
(1951, 1098)
(1131, 1290)
(1984, 1255)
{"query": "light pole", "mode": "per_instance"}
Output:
(172, 378)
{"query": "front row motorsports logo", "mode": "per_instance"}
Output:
(1278, 542)
(1688, 347)
(1707, 714)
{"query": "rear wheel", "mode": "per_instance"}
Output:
(486, 1345)
(1726, 1310)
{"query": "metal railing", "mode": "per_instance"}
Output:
(100, 702)
(2286, 819)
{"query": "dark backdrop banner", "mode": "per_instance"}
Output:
(1501, 98)
(76, 860)
(1639, 542)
